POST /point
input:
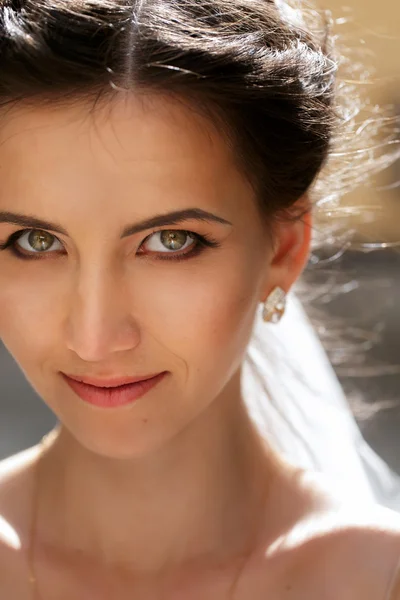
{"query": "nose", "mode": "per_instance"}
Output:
(99, 322)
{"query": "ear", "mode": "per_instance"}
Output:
(291, 250)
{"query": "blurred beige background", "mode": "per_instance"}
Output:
(375, 27)
(366, 294)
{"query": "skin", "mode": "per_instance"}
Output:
(177, 493)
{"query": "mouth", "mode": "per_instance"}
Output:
(112, 393)
(111, 382)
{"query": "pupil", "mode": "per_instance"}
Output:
(40, 240)
(174, 239)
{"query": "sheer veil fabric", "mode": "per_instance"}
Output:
(296, 401)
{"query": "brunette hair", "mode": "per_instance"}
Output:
(267, 80)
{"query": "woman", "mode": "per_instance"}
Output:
(157, 161)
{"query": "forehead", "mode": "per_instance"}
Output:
(153, 132)
(137, 155)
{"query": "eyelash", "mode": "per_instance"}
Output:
(202, 242)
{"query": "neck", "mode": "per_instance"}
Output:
(201, 496)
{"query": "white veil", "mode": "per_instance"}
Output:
(300, 408)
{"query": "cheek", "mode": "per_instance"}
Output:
(28, 307)
(205, 315)
(201, 313)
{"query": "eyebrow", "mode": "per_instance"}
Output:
(172, 218)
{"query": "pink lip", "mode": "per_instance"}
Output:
(112, 397)
(110, 383)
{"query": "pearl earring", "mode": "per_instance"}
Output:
(274, 306)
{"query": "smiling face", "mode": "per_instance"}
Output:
(94, 292)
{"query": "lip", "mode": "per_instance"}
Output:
(115, 396)
(111, 382)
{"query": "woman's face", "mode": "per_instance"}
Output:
(85, 296)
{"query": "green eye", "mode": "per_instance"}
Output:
(32, 243)
(175, 238)
(162, 244)
(163, 241)
(39, 241)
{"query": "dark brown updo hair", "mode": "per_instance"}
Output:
(265, 79)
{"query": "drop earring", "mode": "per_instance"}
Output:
(274, 306)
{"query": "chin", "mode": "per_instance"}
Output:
(130, 432)
(118, 443)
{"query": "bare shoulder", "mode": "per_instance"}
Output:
(356, 543)
(336, 549)
(358, 547)
(350, 546)
(16, 479)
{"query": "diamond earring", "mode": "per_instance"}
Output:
(274, 306)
